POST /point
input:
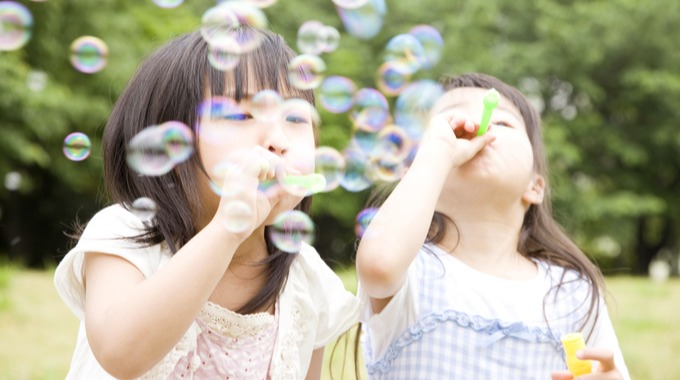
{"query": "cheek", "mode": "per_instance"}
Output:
(302, 154)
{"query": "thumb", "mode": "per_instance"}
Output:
(478, 143)
(562, 375)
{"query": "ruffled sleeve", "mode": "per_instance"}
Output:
(107, 232)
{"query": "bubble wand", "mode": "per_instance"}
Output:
(573, 342)
(490, 102)
(314, 183)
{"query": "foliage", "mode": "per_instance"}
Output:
(604, 74)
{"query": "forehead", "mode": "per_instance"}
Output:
(472, 98)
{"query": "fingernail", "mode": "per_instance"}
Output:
(579, 354)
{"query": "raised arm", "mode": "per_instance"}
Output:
(133, 322)
(400, 226)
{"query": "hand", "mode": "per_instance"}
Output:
(453, 135)
(606, 370)
(243, 207)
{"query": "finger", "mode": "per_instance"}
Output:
(602, 355)
(562, 375)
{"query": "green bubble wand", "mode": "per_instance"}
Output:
(314, 183)
(490, 103)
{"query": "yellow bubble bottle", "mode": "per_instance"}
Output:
(573, 342)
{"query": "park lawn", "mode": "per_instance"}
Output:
(37, 331)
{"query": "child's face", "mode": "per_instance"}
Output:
(506, 165)
(285, 130)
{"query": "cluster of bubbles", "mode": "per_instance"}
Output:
(219, 27)
(383, 141)
(383, 138)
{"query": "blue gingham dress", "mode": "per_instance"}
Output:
(456, 335)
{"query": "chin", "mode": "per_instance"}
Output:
(286, 204)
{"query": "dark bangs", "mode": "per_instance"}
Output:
(266, 66)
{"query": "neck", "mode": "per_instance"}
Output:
(485, 236)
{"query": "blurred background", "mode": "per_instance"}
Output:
(605, 76)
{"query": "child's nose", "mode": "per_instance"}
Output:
(276, 140)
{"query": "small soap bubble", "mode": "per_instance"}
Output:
(431, 41)
(36, 81)
(88, 54)
(16, 23)
(308, 37)
(356, 177)
(178, 140)
(306, 71)
(290, 230)
(147, 152)
(406, 50)
(13, 181)
(336, 94)
(393, 77)
(386, 168)
(331, 164)
(224, 53)
(168, 3)
(363, 219)
(218, 23)
(144, 208)
(413, 105)
(364, 140)
(329, 39)
(363, 21)
(77, 146)
(393, 141)
(370, 111)
(237, 216)
(246, 14)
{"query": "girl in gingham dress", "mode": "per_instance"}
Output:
(467, 273)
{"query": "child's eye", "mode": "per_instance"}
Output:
(296, 119)
(237, 116)
(501, 124)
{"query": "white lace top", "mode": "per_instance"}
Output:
(313, 309)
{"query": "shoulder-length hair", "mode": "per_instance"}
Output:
(541, 237)
(169, 85)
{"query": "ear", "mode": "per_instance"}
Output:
(535, 190)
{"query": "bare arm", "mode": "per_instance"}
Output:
(314, 372)
(400, 226)
(133, 322)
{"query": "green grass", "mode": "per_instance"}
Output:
(38, 332)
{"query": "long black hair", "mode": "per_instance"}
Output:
(169, 85)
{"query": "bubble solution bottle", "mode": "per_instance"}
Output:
(573, 342)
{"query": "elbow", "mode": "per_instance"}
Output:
(378, 278)
(120, 359)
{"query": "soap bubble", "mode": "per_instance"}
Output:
(306, 71)
(144, 208)
(290, 230)
(88, 54)
(331, 164)
(16, 23)
(77, 146)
